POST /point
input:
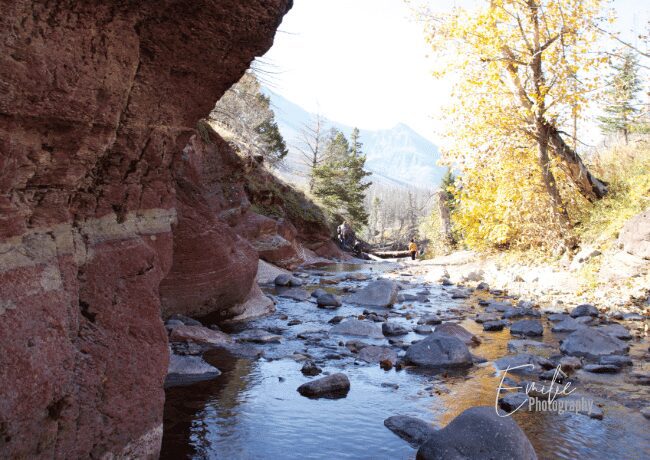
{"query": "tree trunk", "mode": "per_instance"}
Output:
(589, 186)
(551, 186)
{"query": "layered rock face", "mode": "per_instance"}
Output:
(98, 101)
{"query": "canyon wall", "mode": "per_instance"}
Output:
(98, 104)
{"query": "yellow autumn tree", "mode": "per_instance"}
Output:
(524, 71)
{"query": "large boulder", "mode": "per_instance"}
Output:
(380, 293)
(592, 343)
(635, 235)
(478, 433)
(411, 429)
(335, 385)
(355, 327)
(439, 351)
(458, 331)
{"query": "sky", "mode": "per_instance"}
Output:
(365, 62)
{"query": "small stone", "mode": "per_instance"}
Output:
(492, 326)
(601, 368)
(310, 368)
(423, 330)
(328, 301)
(335, 385)
(393, 329)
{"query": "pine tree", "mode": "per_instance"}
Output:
(339, 180)
(246, 114)
(621, 97)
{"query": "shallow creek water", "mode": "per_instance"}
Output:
(253, 411)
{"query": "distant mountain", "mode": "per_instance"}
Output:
(397, 156)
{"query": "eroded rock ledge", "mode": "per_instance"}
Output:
(98, 101)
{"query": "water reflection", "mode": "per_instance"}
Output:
(252, 410)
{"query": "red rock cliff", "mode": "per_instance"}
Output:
(98, 101)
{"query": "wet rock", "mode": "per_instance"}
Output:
(512, 402)
(527, 346)
(390, 385)
(258, 336)
(455, 330)
(439, 351)
(357, 327)
(423, 330)
(633, 317)
(335, 385)
(523, 364)
(570, 363)
(646, 412)
(527, 327)
(294, 322)
(185, 320)
(403, 297)
(185, 370)
(355, 345)
(482, 286)
(336, 319)
(493, 326)
(410, 429)
(584, 310)
(496, 292)
(460, 294)
(498, 306)
(430, 319)
(567, 325)
(374, 354)
(616, 360)
(639, 378)
(172, 323)
(286, 279)
(318, 292)
(602, 368)
(616, 330)
(390, 329)
(358, 277)
(199, 334)
(380, 293)
(310, 368)
(478, 432)
(328, 301)
(555, 317)
(294, 293)
(423, 292)
(485, 317)
(592, 344)
(519, 312)
(446, 282)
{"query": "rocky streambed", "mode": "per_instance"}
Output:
(369, 361)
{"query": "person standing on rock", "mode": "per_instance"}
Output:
(413, 248)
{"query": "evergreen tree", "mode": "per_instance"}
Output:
(247, 115)
(621, 97)
(339, 180)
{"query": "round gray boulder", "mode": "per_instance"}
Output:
(477, 433)
(439, 351)
(591, 343)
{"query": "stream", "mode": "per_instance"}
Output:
(253, 411)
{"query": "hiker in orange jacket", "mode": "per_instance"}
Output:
(413, 248)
